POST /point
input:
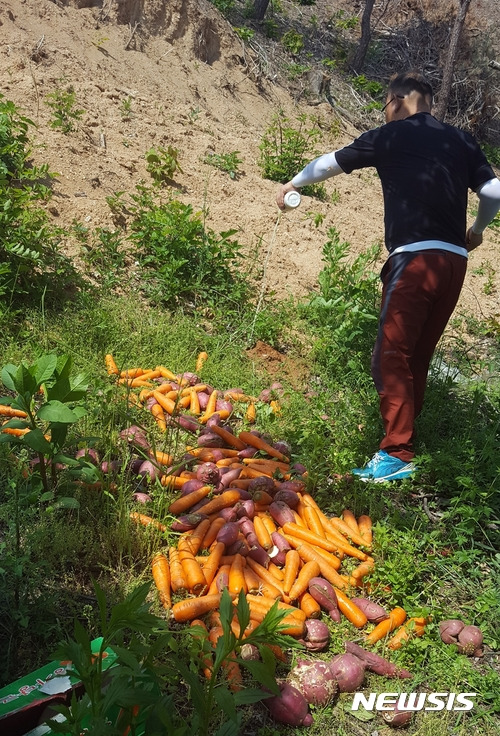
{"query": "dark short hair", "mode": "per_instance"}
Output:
(411, 81)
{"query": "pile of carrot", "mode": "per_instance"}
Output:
(196, 571)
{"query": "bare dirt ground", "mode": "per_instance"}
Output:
(160, 73)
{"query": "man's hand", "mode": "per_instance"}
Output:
(280, 194)
(472, 240)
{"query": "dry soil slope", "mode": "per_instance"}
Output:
(191, 84)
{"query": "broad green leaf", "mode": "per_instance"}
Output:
(128, 658)
(65, 459)
(230, 728)
(24, 381)
(64, 366)
(8, 374)
(58, 434)
(16, 423)
(66, 389)
(6, 400)
(37, 441)
(261, 673)
(44, 368)
(250, 695)
(243, 612)
(56, 411)
(225, 701)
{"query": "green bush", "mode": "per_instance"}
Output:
(62, 104)
(30, 262)
(346, 308)
(285, 150)
(181, 260)
(293, 42)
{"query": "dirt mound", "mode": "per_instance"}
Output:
(155, 73)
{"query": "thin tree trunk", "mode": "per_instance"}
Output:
(449, 65)
(259, 8)
(366, 35)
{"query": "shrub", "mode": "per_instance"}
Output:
(30, 262)
(62, 104)
(285, 150)
(182, 261)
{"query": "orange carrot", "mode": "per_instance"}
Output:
(260, 444)
(267, 521)
(15, 432)
(194, 402)
(177, 578)
(362, 570)
(252, 580)
(212, 532)
(8, 411)
(350, 610)
(310, 570)
(329, 557)
(191, 608)
(264, 574)
(222, 501)
(313, 521)
(211, 405)
(276, 571)
(165, 402)
(183, 503)
(131, 373)
(251, 413)
(161, 577)
(350, 520)
(311, 608)
(229, 438)
(292, 564)
(236, 576)
(173, 481)
(299, 520)
(147, 521)
(307, 553)
(200, 361)
(397, 617)
(344, 546)
(411, 628)
(263, 536)
(192, 540)
(110, 364)
(163, 458)
(166, 373)
(159, 415)
(365, 529)
(193, 573)
(308, 536)
(346, 530)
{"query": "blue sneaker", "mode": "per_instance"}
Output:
(384, 467)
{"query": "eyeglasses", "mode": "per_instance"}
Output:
(394, 97)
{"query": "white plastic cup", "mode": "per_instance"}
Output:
(291, 200)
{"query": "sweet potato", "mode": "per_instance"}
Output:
(289, 706)
(376, 663)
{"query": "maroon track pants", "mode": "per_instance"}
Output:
(420, 291)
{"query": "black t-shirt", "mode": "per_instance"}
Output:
(426, 169)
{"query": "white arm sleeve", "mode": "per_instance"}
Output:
(489, 205)
(318, 170)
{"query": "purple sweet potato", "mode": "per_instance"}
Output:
(314, 680)
(376, 663)
(373, 612)
(289, 706)
(348, 671)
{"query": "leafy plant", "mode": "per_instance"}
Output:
(181, 259)
(246, 34)
(30, 261)
(46, 401)
(151, 660)
(293, 42)
(227, 162)
(367, 86)
(224, 6)
(162, 163)
(285, 150)
(346, 307)
(126, 108)
(62, 103)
